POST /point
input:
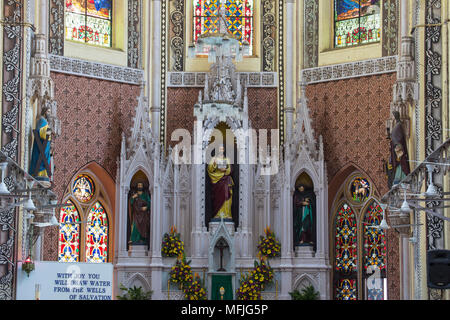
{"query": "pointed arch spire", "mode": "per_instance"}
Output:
(141, 132)
(303, 133)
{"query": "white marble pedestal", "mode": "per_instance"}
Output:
(304, 252)
(137, 251)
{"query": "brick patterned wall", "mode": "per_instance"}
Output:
(263, 109)
(350, 115)
(180, 111)
(93, 115)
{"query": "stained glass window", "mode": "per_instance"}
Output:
(360, 189)
(345, 254)
(374, 253)
(346, 240)
(356, 22)
(97, 235)
(239, 17)
(69, 234)
(83, 188)
(89, 21)
(346, 290)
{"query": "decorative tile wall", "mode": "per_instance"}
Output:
(93, 115)
(351, 115)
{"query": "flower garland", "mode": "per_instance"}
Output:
(262, 274)
(252, 284)
(181, 272)
(249, 289)
(269, 246)
(194, 290)
(172, 246)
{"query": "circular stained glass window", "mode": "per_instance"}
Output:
(83, 188)
(360, 190)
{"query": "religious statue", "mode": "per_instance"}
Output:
(139, 215)
(41, 152)
(398, 167)
(219, 171)
(304, 213)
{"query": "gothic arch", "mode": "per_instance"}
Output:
(342, 196)
(136, 170)
(137, 279)
(332, 238)
(104, 194)
(312, 175)
(304, 280)
(337, 182)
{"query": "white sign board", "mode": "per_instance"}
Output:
(66, 281)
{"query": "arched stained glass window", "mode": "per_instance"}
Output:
(346, 240)
(89, 21)
(69, 234)
(346, 290)
(374, 253)
(345, 266)
(239, 16)
(356, 22)
(97, 235)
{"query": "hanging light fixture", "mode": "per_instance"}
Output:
(3, 188)
(28, 266)
(405, 208)
(383, 224)
(29, 204)
(432, 191)
(54, 221)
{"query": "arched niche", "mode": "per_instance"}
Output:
(222, 255)
(138, 280)
(139, 211)
(304, 212)
(304, 281)
(228, 139)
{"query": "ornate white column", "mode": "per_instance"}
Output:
(290, 65)
(43, 23)
(155, 69)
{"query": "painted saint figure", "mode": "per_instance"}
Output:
(219, 171)
(83, 189)
(139, 215)
(304, 212)
(398, 167)
(41, 152)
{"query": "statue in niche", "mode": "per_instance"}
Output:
(41, 152)
(139, 214)
(398, 166)
(304, 215)
(219, 171)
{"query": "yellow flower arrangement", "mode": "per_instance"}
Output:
(172, 246)
(252, 285)
(194, 290)
(269, 246)
(181, 272)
